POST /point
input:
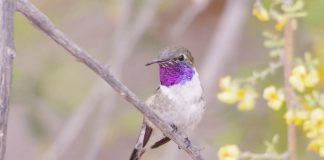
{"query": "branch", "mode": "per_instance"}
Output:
(7, 53)
(257, 75)
(264, 156)
(289, 94)
(44, 24)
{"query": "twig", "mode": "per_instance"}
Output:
(262, 74)
(44, 24)
(288, 54)
(264, 156)
(7, 53)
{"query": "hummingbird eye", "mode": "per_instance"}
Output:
(181, 58)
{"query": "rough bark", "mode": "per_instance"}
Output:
(289, 93)
(6, 58)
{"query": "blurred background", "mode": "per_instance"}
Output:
(61, 110)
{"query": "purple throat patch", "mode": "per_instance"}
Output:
(176, 73)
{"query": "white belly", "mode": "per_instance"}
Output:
(181, 105)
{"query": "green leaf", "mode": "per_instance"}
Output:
(316, 94)
(321, 101)
(299, 5)
(270, 35)
(299, 61)
(308, 57)
(309, 100)
(275, 139)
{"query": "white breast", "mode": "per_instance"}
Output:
(181, 104)
(189, 91)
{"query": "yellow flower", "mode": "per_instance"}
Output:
(260, 13)
(312, 78)
(274, 97)
(232, 93)
(229, 152)
(229, 92)
(296, 117)
(314, 126)
(298, 77)
(317, 145)
(301, 80)
(281, 22)
(225, 82)
(246, 99)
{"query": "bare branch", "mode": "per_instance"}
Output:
(6, 59)
(289, 93)
(44, 24)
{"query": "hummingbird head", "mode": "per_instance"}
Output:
(176, 66)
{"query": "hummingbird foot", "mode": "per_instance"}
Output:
(174, 127)
(187, 142)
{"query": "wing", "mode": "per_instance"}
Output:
(142, 140)
(147, 129)
(160, 142)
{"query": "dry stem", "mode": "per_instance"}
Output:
(7, 53)
(288, 54)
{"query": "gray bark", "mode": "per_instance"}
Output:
(6, 58)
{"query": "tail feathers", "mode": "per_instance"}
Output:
(143, 138)
(136, 154)
(160, 142)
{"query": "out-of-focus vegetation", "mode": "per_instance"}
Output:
(303, 102)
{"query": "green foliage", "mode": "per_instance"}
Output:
(272, 145)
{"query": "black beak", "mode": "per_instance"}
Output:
(156, 61)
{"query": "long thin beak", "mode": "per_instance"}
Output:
(156, 61)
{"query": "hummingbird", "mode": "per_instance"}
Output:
(178, 100)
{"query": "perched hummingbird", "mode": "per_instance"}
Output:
(178, 100)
